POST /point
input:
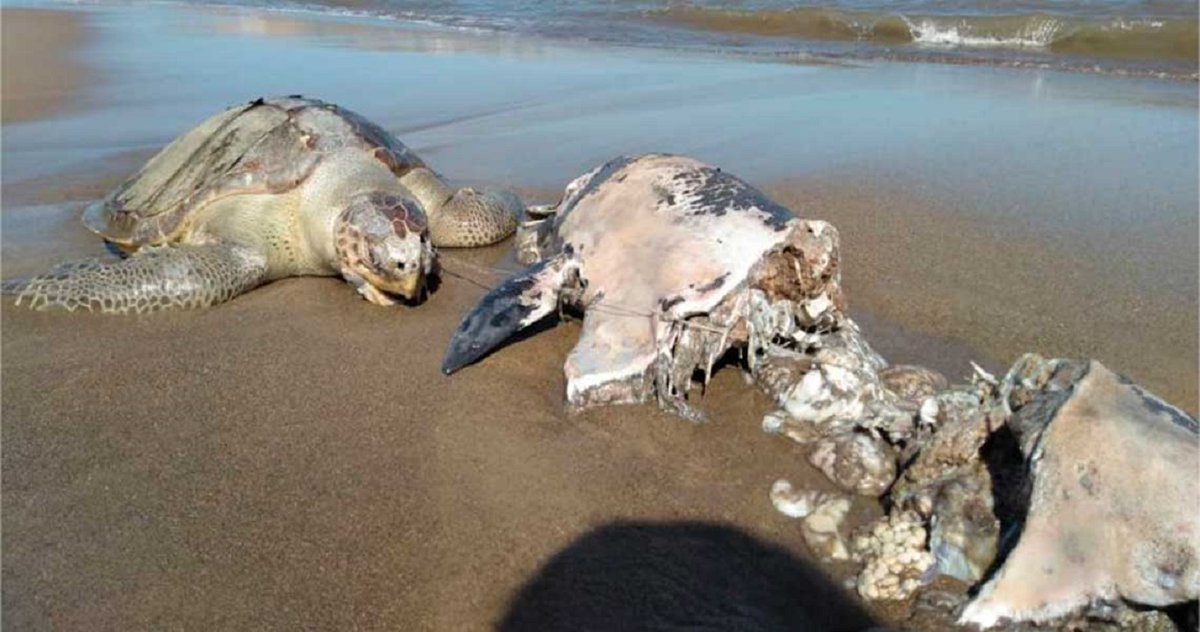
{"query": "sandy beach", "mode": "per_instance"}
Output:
(51, 86)
(294, 458)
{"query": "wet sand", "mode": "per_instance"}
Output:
(295, 459)
(51, 85)
(999, 288)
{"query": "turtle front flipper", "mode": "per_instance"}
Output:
(164, 277)
(522, 300)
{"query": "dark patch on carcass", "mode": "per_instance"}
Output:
(505, 294)
(714, 284)
(1177, 417)
(496, 318)
(1073, 549)
(502, 319)
(1087, 477)
(669, 302)
(1012, 487)
(1185, 616)
(717, 193)
(1031, 418)
(607, 171)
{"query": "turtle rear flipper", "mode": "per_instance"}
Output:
(463, 218)
(166, 277)
(522, 300)
(472, 218)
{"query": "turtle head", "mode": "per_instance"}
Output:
(383, 239)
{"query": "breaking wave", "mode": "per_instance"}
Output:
(1172, 39)
(1075, 35)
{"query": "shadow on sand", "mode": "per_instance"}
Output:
(679, 576)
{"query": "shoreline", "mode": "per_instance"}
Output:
(294, 458)
(1104, 44)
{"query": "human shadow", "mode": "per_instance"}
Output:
(679, 576)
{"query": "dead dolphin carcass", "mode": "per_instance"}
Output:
(673, 262)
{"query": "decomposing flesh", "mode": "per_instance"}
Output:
(1112, 500)
(1060, 489)
(674, 263)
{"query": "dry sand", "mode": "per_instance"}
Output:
(295, 459)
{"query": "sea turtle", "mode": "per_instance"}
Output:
(269, 189)
(674, 262)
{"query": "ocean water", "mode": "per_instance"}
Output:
(1123, 37)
